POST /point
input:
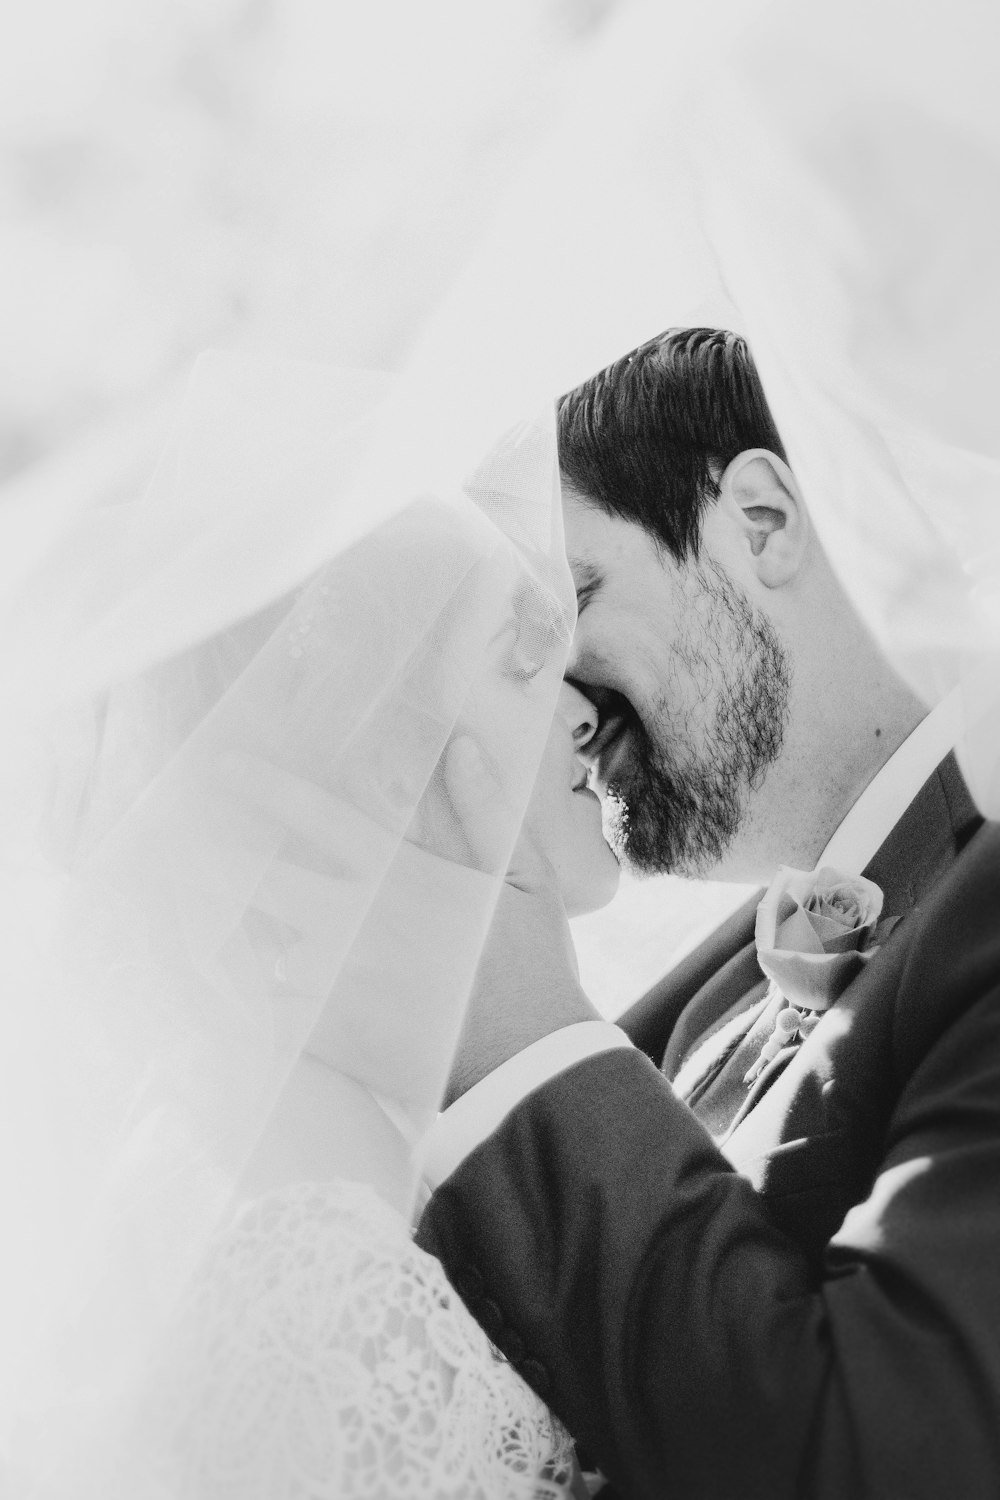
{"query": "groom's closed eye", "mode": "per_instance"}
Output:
(587, 580)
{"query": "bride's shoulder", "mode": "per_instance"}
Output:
(335, 1264)
(323, 1215)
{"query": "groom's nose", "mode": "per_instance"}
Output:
(578, 712)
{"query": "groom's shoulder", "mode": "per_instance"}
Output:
(949, 954)
(963, 909)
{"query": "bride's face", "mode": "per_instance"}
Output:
(564, 815)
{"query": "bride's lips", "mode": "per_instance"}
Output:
(586, 791)
(582, 785)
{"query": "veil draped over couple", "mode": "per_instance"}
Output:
(323, 1175)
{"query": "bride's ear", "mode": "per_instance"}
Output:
(759, 493)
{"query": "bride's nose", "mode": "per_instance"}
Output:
(578, 712)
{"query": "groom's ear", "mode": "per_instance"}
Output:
(759, 494)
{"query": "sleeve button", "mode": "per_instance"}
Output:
(468, 1283)
(489, 1318)
(537, 1377)
(513, 1347)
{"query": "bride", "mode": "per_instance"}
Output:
(383, 1383)
(283, 822)
(320, 1351)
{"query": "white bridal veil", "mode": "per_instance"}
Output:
(234, 700)
(255, 865)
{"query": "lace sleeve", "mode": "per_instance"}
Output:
(323, 1356)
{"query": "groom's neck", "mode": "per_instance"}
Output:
(837, 740)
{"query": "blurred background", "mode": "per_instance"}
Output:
(295, 177)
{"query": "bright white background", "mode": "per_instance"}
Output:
(292, 176)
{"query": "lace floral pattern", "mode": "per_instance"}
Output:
(323, 1356)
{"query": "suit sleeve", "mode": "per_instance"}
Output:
(639, 1283)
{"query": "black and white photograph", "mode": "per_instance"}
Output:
(500, 776)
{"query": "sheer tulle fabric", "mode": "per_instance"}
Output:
(862, 148)
(258, 884)
(250, 680)
(827, 182)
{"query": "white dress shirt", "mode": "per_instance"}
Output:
(462, 1127)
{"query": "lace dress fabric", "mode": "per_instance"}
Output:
(322, 1356)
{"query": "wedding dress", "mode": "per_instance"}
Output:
(321, 1354)
(246, 685)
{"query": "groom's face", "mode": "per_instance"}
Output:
(691, 683)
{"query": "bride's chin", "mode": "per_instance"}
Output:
(594, 883)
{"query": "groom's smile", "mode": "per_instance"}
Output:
(690, 683)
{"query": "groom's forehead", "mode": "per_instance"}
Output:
(606, 551)
(583, 549)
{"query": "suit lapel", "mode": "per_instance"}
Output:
(650, 1022)
(712, 1034)
(924, 843)
(921, 848)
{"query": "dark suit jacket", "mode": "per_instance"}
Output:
(811, 1308)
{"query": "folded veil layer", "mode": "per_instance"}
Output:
(250, 853)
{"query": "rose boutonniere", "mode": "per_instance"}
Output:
(815, 931)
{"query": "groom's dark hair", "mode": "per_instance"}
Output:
(647, 438)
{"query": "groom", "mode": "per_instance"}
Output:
(742, 1257)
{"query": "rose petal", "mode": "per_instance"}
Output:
(841, 908)
(865, 892)
(788, 889)
(838, 939)
(825, 896)
(825, 926)
(812, 980)
(766, 921)
(849, 942)
(796, 933)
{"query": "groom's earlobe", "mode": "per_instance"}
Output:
(762, 498)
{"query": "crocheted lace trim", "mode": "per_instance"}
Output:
(322, 1355)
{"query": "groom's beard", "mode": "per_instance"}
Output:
(675, 806)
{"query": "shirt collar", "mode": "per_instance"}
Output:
(888, 795)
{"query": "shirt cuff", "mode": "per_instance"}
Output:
(465, 1125)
